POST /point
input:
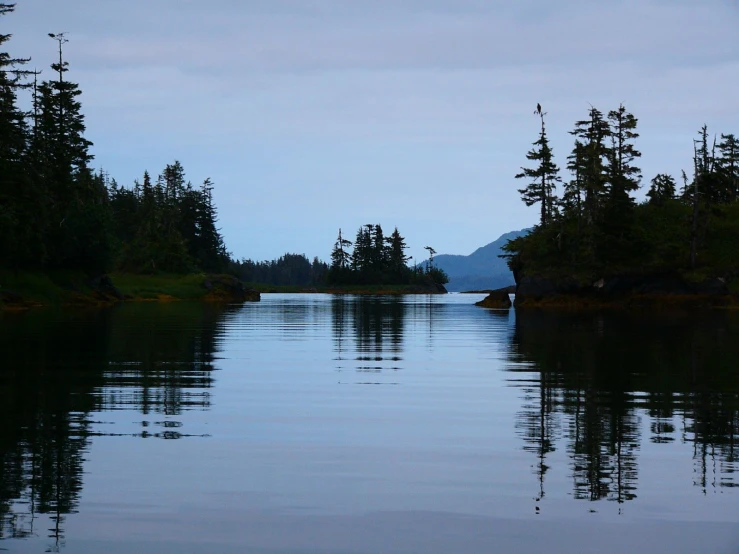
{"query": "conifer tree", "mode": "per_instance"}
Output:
(623, 176)
(397, 260)
(663, 188)
(379, 252)
(21, 218)
(78, 216)
(728, 167)
(543, 178)
(590, 158)
(340, 255)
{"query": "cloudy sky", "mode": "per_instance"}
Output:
(312, 115)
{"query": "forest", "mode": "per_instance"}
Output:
(374, 259)
(57, 213)
(596, 227)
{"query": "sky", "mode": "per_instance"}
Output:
(315, 115)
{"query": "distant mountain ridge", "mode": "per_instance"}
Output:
(482, 269)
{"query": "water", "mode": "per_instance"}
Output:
(312, 423)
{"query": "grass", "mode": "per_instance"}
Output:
(161, 286)
(43, 288)
(24, 289)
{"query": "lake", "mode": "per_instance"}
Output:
(345, 424)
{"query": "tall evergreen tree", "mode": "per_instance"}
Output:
(591, 157)
(624, 177)
(544, 177)
(20, 237)
(78, 218)
(728, 167)
(379, 252)
(340, 256)
(397, 260)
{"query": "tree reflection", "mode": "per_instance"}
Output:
(589, 379)
(61, 367)
(376, 325)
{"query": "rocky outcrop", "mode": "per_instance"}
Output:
(103, 289)
(497, 299)
(224, 288)
(623, 290)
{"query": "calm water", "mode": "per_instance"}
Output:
(312, 423)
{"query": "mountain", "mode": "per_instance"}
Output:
(482, 269)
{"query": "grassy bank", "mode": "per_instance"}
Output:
(25, 289)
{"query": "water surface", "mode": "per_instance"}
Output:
(340, 424)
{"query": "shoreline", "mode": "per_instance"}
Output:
(25, 290)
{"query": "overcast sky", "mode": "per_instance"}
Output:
(312, 115)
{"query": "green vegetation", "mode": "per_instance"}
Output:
(24, 289)
(597, 229)
(291, 271)
(379, 260)
(57, 214)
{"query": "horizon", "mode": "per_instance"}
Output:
(406, 113)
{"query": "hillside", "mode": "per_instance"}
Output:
(482, 269)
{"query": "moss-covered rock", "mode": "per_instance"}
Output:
(497, 299)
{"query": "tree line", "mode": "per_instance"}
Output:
(287, 270)
(597, 226)
(374, 259)
(56, 212)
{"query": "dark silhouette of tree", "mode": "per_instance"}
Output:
(340, 256)
(543, 178)
(663, 188)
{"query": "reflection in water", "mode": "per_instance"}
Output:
(58, 368)
(376, 324)
(590, 379)
(602, 403)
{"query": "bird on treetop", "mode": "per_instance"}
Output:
(538, 109)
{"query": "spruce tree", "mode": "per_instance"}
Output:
(544, 177)
(21, 242)
(340, 255)
(662, 189)
(623, 176)
(397, 260)
(728, 167)
(590, 158)
(78, 215)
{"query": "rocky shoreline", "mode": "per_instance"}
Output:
(619, 291)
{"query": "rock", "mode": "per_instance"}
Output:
(497, 299)
(225, 288)
(103, 288)
(623, 290)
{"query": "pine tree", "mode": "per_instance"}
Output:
(21, 219)
(543, 178)
(78, 216)
(728, 167)
(590, 158)
(379, 252)
(363, 249)
(340, 256)
(397, 260)
(211, 249)
(663, 188)
(623, 176)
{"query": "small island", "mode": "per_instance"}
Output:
(595, 245)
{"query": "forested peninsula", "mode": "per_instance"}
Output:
(63, 226)
(596, 245)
